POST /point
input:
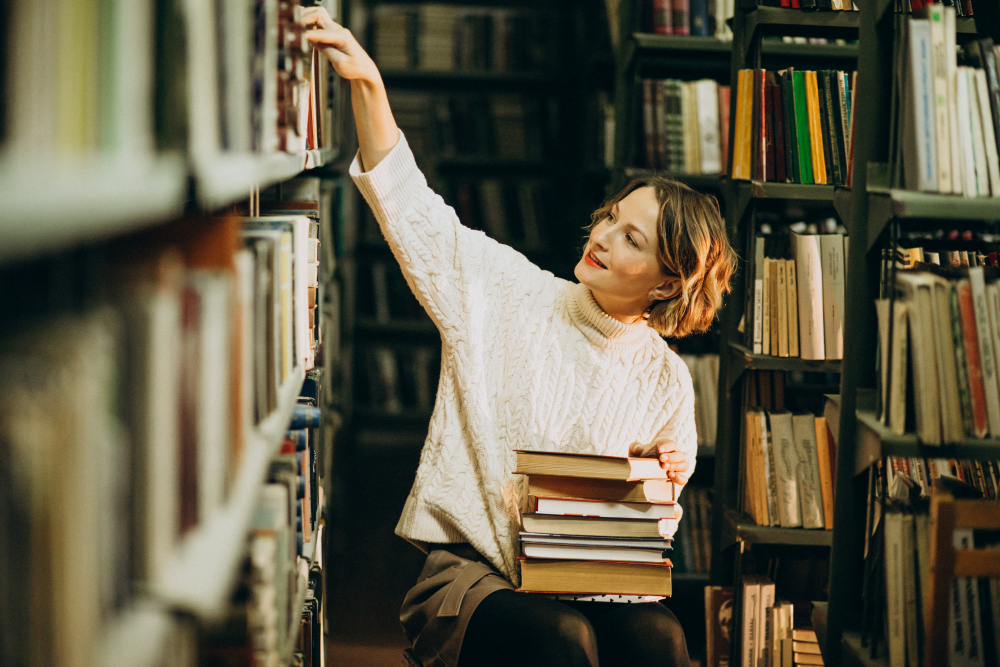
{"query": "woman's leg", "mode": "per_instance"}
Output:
(511, 628)
(637, 635)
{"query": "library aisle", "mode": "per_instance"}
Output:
(216, 381)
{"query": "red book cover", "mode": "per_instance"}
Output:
(970, 340)
(916, 5)
(786, 3)
(681, 17)
(779, 132)
(662, 17)
(795, 4)
(724, 126)
(967, 6)
(761, 129)
(769, 174)
(994, 258)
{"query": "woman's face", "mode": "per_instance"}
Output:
(619, 262)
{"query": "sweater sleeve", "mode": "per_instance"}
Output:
(454, 271)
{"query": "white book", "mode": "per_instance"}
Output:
(993, 307)
(916, 288)
(939, 65)
(765, 630)
(920, 142)
(965, 631)
(952, 429)
(707, 102)
(246, 280)
(561, 551)
(214, 289)
(786, 462)
(969, 187)
(600, 508)
(910, 583)
(689, 107)
(300, 263)
(748, 637)
(895, 603)
(832, 258)
(978, 144)
(758, 296)
(989, 137)
(807, 471)
(809, 281)
(957, 175)
(986, 352)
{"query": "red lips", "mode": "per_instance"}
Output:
(592, 260)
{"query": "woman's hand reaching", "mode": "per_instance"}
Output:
(377, 131)
(674, 461)
(338, 44)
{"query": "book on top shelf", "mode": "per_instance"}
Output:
(588, 465)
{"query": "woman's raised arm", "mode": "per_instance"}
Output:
(377, 131)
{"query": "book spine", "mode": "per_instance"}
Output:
(807, 471)
(832, 260)
(804, 152)
(815, 129)
(825, 459)
(766, 309)
(973, 364)
(925, 142)
(757, 156)
(724, 92)
(986, 352)
(832, 123)
(662, 17)
(648, 123)
(939, 63)
(758, 296)
(992, 81)
(768, 131)
(782, 301)
(681, 17)
(773, 305)
(780, 132)
(809, 279)
(659, 125)
(699, 17)
(791, 141)
(741, 135)
(793, 308)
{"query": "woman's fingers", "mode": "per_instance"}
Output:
(317, 16)
(336, 37)
(639, 449)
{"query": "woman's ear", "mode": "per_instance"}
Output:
(668, 289)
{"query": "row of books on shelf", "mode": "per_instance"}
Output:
(701, 18)
(501, 125)
(284, 565)
(771, 636)
(793, 126)
(789, 463)
(898, 562)
(704, 369)
(438, 37)
(962, 7)
(397, 379)
(126, 424)
(685, 125)
(950, 108)
(595, 527)
(797, 307)
(938, 353)
(983, 475)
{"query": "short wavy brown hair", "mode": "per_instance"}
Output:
(692, 245)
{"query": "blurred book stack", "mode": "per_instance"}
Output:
(593, 527)
(682, 125)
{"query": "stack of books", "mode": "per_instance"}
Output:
(793, 126)
(684, 125)
(769, 636)
(592, 527)
(700, 18)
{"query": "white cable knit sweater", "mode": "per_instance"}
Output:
(528, 361)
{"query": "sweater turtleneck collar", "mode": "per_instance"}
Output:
(599, 327)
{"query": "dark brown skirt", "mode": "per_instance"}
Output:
(436, 611)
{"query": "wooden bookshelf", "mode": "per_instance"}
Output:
(887, 204)
(780, 21)
(200, 576)
(742, 359)
(740, 528)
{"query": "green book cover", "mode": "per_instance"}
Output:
(791, 145)
(802, 127)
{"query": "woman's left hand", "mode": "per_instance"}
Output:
(672, 459)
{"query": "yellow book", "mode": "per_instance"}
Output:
(815, 129)
(744, 119)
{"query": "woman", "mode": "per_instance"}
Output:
(530, 361)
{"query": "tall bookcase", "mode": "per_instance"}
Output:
(738, 542)
(874, 214)
(134, 142)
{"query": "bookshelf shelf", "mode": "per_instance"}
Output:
(856, 655)
(743, 360)
(201, 573)
(886, 204)
(737, 528)
(791, 191)
(645, 41)
(135, 638)
(780, 21)
(875, 440)
(222, 179)
(770, 47)
(397, 77)
(46, 207)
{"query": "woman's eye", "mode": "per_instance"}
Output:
(628, 237)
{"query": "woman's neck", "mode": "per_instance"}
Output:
(626, 312)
